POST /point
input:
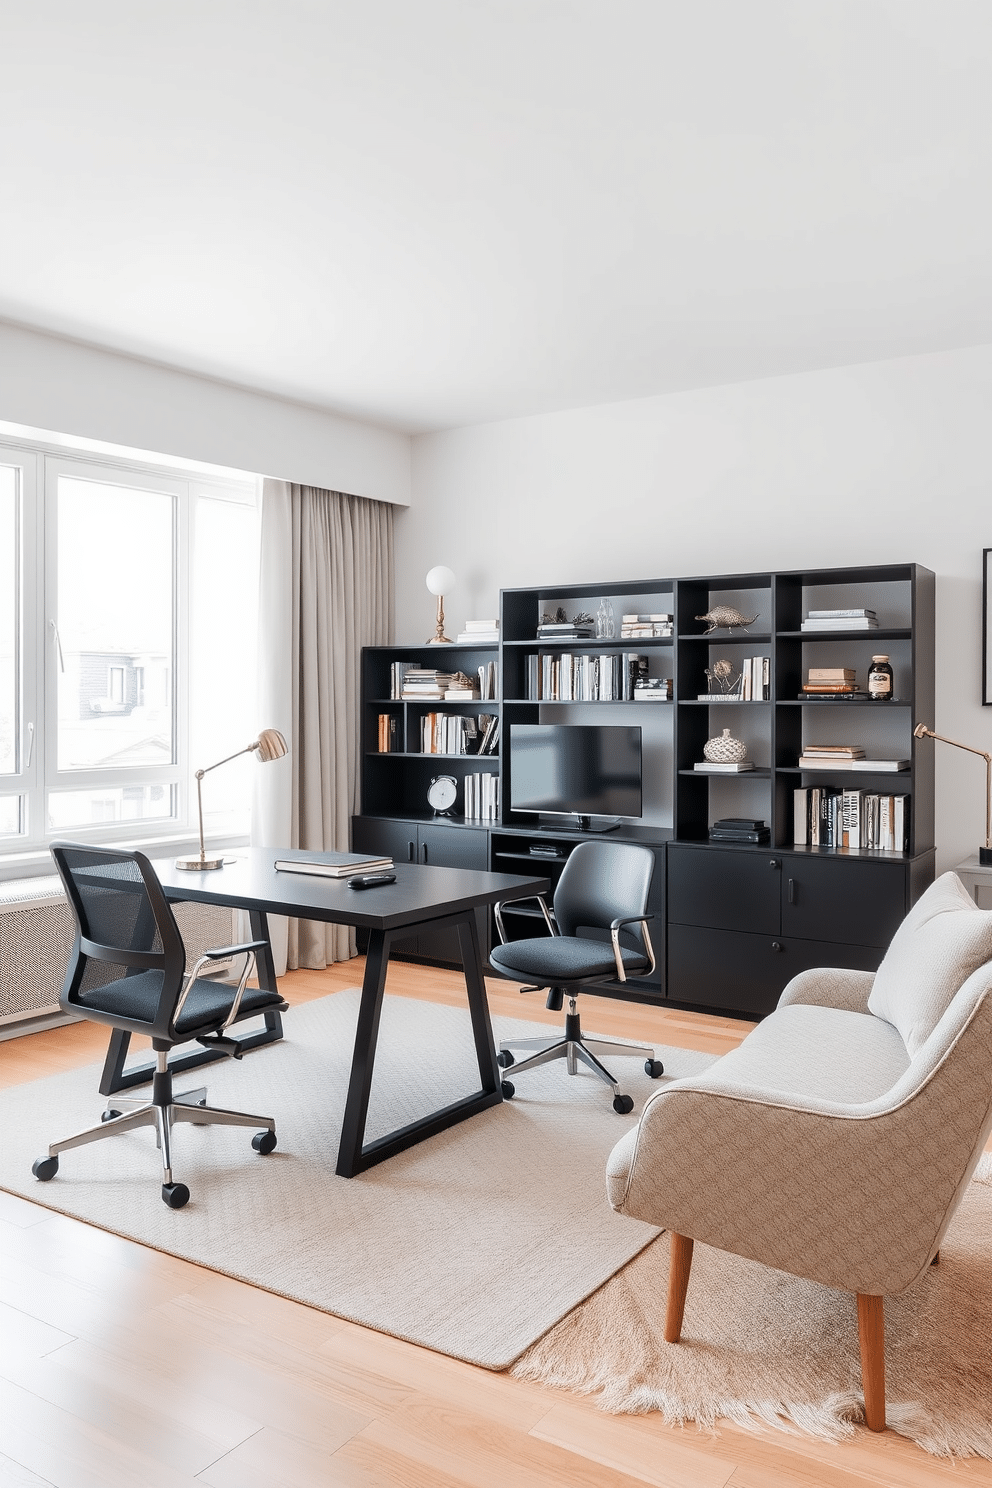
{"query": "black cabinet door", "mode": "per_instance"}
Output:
(394, 839)
(452, 847)
(725, 969)
(849, 902)
(724, 890)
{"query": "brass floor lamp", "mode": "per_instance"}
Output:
(984, 853)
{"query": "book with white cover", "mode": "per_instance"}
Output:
(333, 864)
(709, 767)
(820, 762)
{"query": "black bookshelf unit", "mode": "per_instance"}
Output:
(732, 922)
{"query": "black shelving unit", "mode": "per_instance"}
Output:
(732, 922)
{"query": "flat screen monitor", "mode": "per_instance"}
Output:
(575, 770)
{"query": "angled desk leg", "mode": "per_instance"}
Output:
(116, 1078)
(354, 1154)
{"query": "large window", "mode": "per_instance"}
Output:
(127, 632)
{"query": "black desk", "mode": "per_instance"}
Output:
(420, 896)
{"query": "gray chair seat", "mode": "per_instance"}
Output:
(206, 1006)
(559, 959)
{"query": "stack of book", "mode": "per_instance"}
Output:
(723, 767)
(653, 690)
(831, 682)
(830, 816)
(826, 620)
(756, 679)
(418, 683)
(566, 630)
(482, 797)
(388, 733)
(646, 627)
(739, 829)
(479, 633)
(846, 757)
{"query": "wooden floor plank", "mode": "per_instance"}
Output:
(636, 1445)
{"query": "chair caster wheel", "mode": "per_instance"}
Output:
(175, 1195)
(264, 1141)
(504, 1059)
(508, 1088)
(110, 1115)
(45, 1168)
(623, 1105)
(654, 1068)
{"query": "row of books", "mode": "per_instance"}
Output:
(453, 733)
(829, 816)
(565, 678)
(479, 633)
(388, 734)
(827, 620)
(645, 627)
(482, 797)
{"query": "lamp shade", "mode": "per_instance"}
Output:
(270, 746)
(440, 580)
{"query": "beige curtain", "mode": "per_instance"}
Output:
(326, 590)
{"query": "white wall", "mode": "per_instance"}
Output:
(69, 388)
(888, 462)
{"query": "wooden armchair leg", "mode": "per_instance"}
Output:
(871, 1332)
(678, 1284)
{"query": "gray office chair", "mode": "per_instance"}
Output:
(604, 886)
(128, 969)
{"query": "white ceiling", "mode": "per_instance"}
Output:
(435, 212)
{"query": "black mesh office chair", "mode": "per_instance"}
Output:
(604, 886)
(128, 969)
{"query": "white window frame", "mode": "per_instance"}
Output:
(37, 771)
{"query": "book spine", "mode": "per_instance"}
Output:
(800, 816)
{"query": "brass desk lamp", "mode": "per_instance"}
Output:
(984, 853)
(270, 745)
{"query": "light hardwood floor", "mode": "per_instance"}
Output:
(121, 1367)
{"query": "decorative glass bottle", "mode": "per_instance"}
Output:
(606, 625)
(880, 680)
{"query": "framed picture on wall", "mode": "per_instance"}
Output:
(987, 627)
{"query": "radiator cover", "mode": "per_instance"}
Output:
(37, 929)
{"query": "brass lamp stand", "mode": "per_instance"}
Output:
(984, 853)
(270, 745)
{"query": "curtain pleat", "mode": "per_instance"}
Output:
(326, 591)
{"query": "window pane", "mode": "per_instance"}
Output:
(122, 803)
(10, 816)
(223, 714)
(8, 623)
(115, 619)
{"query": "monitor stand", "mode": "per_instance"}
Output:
(596, 824)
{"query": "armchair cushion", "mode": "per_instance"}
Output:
(941, 942)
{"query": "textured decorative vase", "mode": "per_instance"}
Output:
(725, 749)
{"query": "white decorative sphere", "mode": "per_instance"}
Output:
(440, 580)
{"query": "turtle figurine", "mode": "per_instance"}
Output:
(722, 617)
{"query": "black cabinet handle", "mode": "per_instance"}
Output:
(424, 852)
(409, 852)
(777, 945)
(792, 891)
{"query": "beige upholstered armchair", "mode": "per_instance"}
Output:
(835, 1143)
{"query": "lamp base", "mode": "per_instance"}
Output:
(985, 856)
(199, 865)
(439, 640)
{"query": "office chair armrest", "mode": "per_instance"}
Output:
(549, 918)
(615, 928)
(223, 953)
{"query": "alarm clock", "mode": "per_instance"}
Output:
(441, 794)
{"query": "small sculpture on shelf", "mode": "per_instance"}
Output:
(722, 617)
(606, 625)
(724, 749)
(720, 679)
(561, 618)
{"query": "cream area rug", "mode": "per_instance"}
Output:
(761, 1347)
(473, 1243)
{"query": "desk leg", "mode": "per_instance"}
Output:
(116, 1078)
(354, 1155)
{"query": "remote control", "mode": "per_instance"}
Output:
(370, 880)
